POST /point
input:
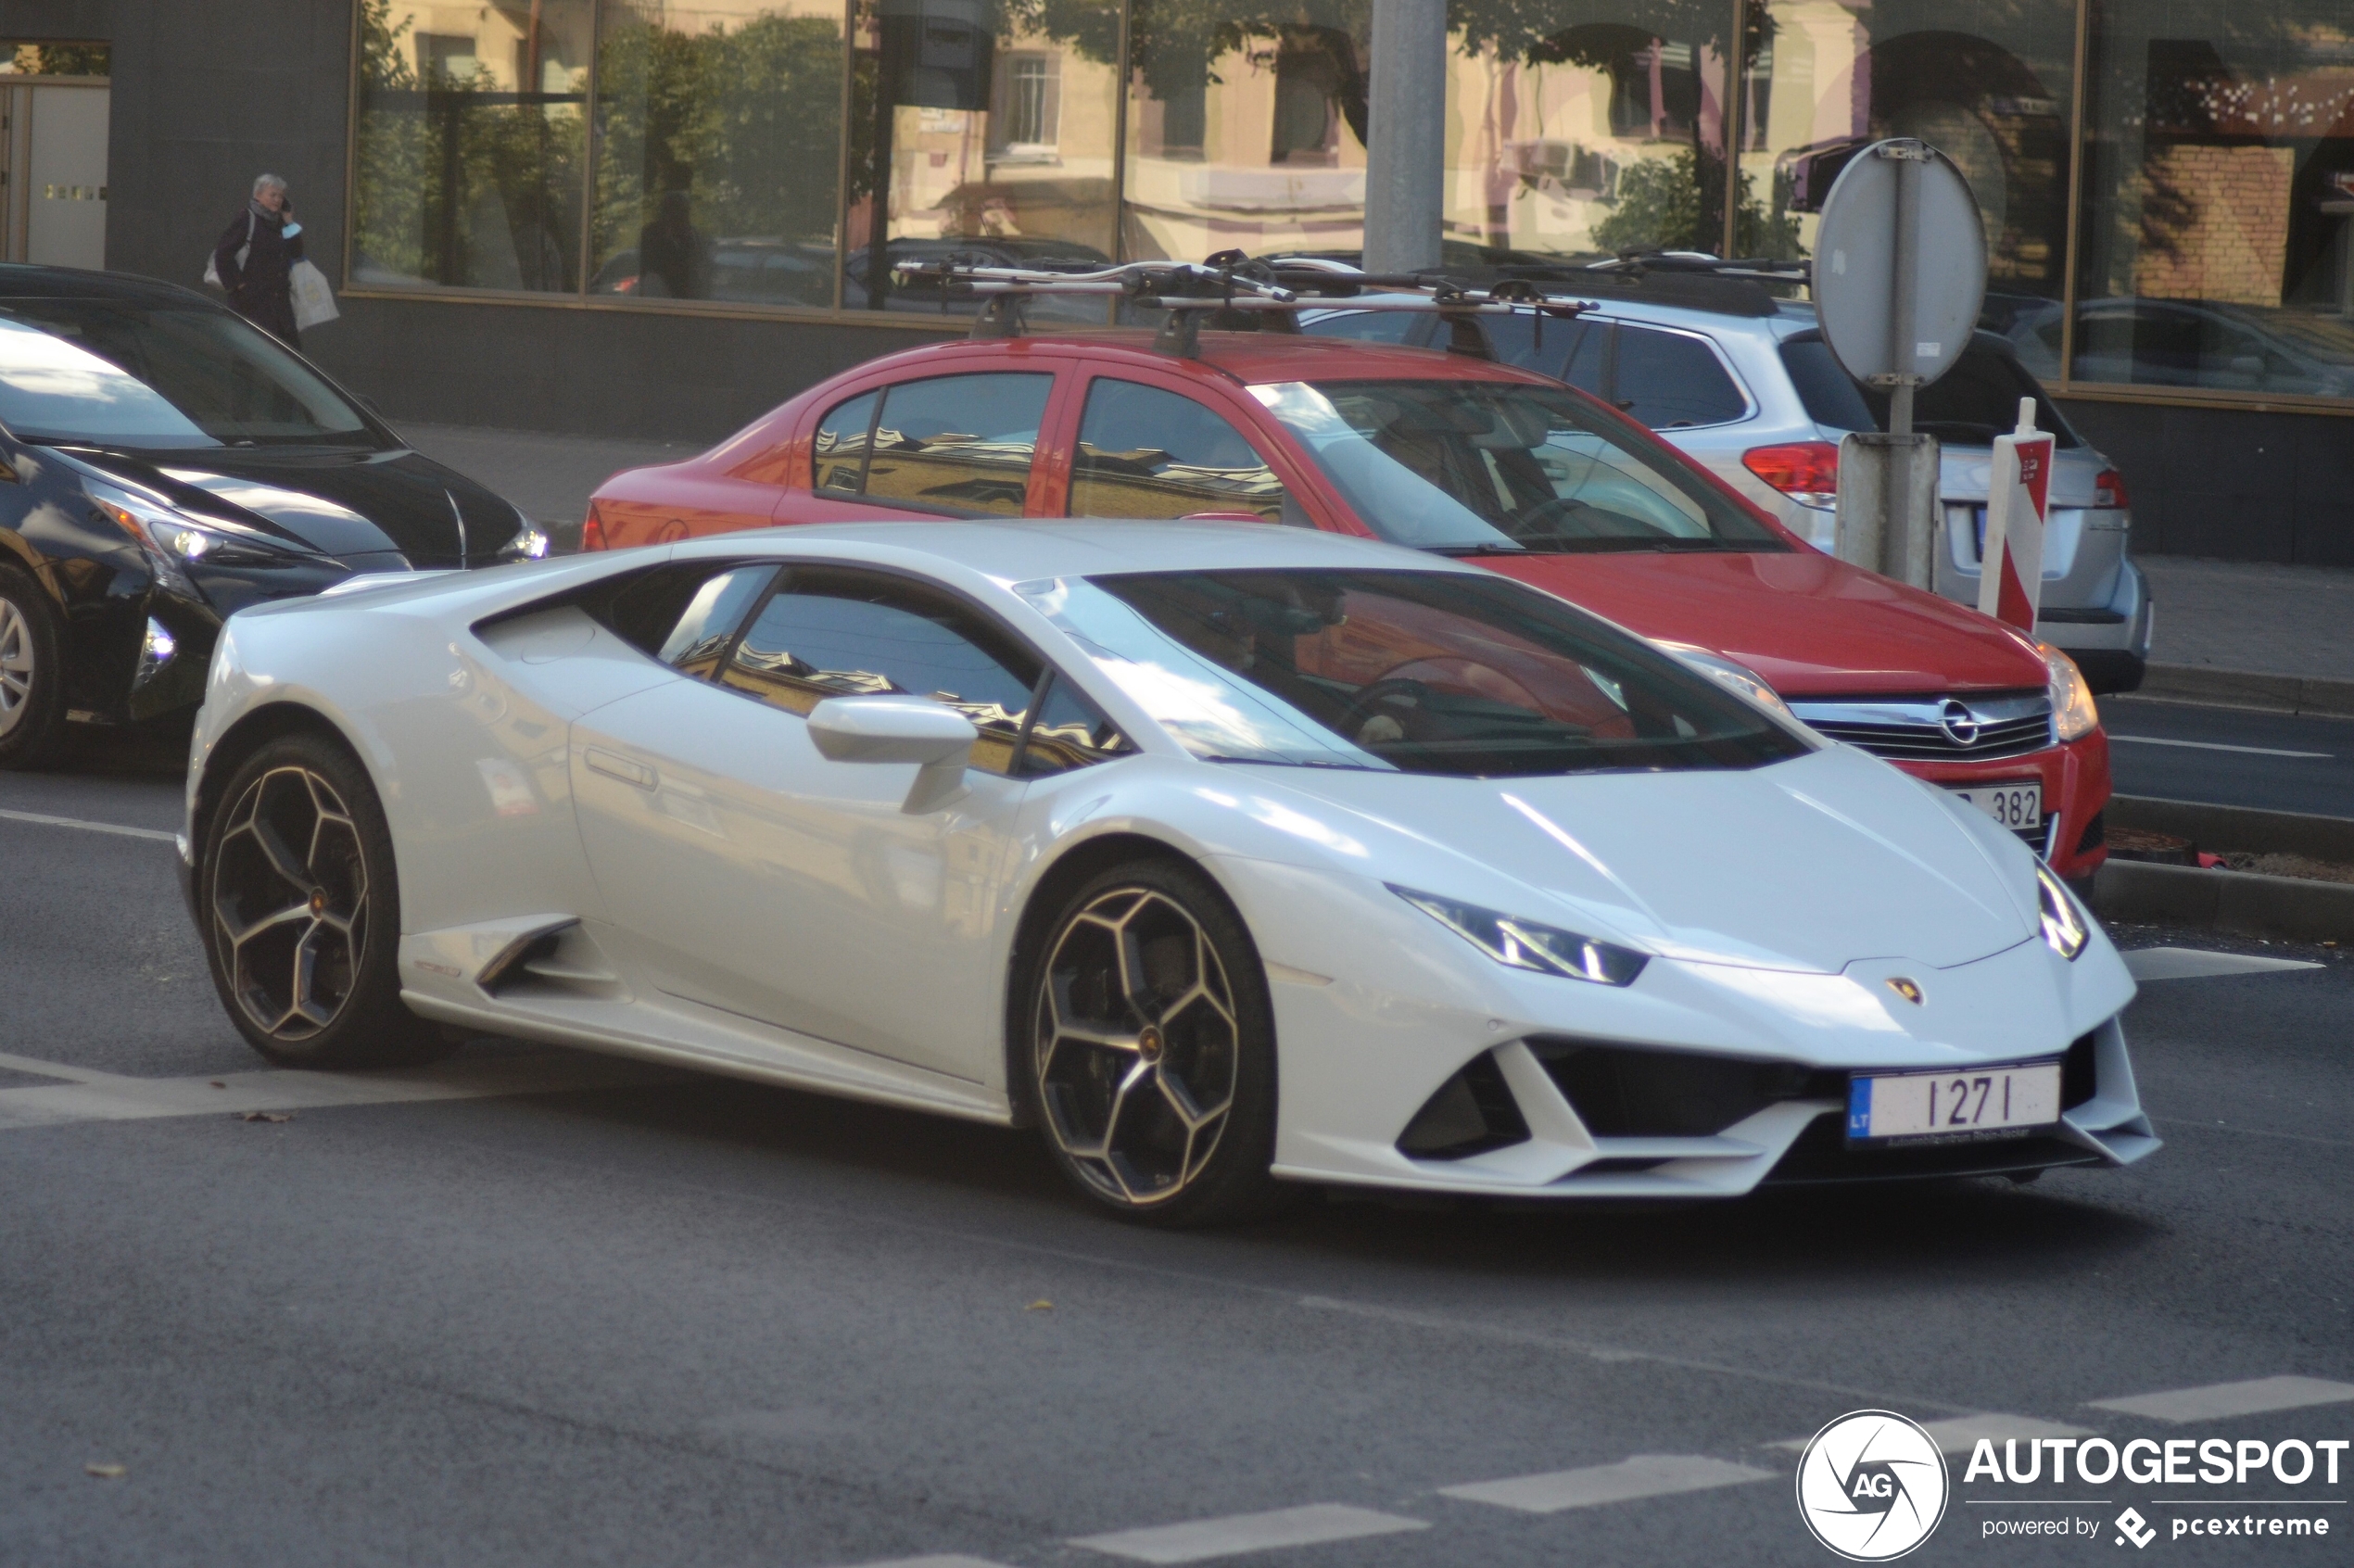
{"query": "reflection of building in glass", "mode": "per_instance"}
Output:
(755, 152)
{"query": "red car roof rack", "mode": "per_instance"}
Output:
(1231, 292)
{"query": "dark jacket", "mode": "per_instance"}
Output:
(259, 287)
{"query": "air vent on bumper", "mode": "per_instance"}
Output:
(1471, 1113)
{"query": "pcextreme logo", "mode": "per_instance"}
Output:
(1872, 1485)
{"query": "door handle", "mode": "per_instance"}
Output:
(628, 772)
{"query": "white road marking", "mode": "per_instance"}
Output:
(1645, 1476)
(946, 1560)
(1960, 1434)
(106, 1096)
(2219, 746)
(2192, 963)
(1201, 1539)
(2217, 1400)
(41, 819)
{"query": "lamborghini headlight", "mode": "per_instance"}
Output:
(2074, 714)
(2064, 927)
(1525, 944)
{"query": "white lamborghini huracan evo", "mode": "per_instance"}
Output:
(1228, 855)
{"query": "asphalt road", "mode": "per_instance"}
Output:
(2231, 756)
(692, 1321)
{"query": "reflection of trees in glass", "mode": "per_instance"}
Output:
(747, 122)
(459, 182)
(1672, 205)
(60, 59)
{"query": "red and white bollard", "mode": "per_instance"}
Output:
(2010, 581)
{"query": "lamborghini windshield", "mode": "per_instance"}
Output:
(1417, 672)
(1473, 466)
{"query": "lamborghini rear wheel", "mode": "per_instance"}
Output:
(1152, 1051)
(302, 913)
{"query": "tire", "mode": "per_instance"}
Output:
(302, 911)
(1150, 1049)
(32, 694)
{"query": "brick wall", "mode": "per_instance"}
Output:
(2214, 224)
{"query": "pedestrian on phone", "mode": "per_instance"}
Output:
(257, 254)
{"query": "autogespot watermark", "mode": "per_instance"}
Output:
(2172, 1463)
(1873, 1485)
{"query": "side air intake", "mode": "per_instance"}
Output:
(562, 961)
(1471, 1113)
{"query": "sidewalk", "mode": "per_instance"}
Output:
(2216, 619)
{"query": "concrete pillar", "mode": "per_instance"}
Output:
(1405, 173)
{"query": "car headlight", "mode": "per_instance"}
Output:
(2064, 927)
(2074, 714)
(1525, 944)
(530, 543)
(173, 541)
(1735, 677)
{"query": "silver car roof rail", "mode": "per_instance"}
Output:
(1237, 294)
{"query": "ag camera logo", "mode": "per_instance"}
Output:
(1872, 1485)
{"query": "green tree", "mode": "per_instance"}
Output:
(1662, 203)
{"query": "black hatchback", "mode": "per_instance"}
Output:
(163, 465)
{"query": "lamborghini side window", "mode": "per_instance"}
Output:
(715, 608)
(832, 633)
(667, 612)
(1069, 733)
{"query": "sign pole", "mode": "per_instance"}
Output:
(2011, 568)
(1903, 321)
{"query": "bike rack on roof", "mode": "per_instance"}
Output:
(1237, 294)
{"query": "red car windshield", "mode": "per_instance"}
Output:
(1477, 467)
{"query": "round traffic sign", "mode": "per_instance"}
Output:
(1859, 255)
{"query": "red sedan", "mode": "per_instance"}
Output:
(1438, 450)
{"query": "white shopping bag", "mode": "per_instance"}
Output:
(314, 302)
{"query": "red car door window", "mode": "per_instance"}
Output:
(960, 444)
(1147, 453)
(838, 453)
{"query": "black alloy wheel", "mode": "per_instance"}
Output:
(301, 910)
(1152, 1049)
(32, 705)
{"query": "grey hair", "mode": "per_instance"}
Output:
(266, 182)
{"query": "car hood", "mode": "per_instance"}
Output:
(1810, 623)
(346, 503)
(1810, 865)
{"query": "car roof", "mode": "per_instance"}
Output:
(20, 280)
(1013, 550)
(1248, 357)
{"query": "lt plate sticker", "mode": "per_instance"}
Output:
(1954, 1104)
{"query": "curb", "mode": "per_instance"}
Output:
(2237, 827)
(2248, 688)
(2238, 902)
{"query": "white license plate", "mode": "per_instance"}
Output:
(1953, 1104)
(2016, 807)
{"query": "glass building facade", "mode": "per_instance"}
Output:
(2168, 185)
